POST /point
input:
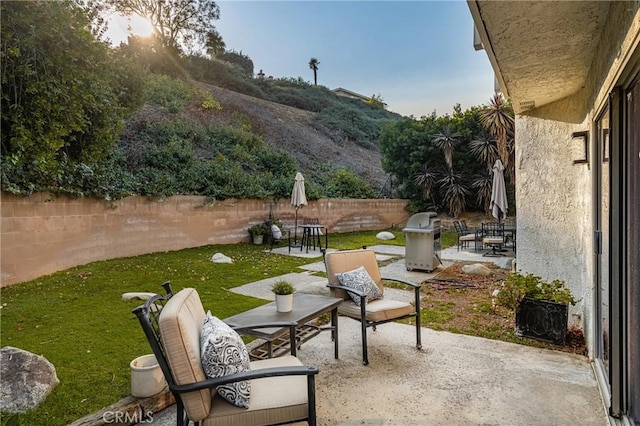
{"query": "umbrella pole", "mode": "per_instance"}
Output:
(295, 230)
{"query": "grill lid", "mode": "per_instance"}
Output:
(422, 220)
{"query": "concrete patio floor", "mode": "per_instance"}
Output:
(454, 380)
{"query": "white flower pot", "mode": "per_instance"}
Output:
(258, 239)
(146, 377)
(284, 302)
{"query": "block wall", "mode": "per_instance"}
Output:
(40, 235)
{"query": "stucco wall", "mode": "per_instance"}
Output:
(41, 235)
(554, 208)
(554, 196)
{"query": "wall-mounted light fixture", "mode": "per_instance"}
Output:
(581, 138)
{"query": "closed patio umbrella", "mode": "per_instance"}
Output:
(298, 199)
(499, 205)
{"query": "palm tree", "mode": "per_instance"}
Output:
(313, 64)
(497, 118)
(447, 140)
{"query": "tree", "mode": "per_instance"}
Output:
(313, 64)
(243, 61)
(215, 45)
(497, 118)
(64, 95)
(177, 23)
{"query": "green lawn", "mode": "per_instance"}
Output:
(77, 319)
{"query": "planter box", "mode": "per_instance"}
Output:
(542, 320)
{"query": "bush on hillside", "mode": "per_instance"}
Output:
(224, 74)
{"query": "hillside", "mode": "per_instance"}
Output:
(295, 132)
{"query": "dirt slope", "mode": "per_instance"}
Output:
(294, 131)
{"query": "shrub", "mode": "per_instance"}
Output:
(517, 286)
(259, 229)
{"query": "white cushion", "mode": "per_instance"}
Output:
(222, 353)
(359, 279)
(277, 233)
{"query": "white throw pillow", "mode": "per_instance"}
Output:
(277, 233)
(223, 352)
(359, 279)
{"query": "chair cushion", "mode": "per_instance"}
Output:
(276, 232)
(468, 237)
(180, 325)
(359, 279)
(274, 400)
(378, 310)
(493, 240)
(222, 353)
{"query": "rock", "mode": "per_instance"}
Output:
(504, 262)
(221, 258)
(385, 235)
(137, 296)
(27, 379)
(476, 269)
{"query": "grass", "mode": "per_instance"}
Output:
(77, 319)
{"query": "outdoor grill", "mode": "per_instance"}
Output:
(422, 237)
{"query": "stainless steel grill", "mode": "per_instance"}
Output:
(422, 237)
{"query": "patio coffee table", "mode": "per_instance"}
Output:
(306, 308)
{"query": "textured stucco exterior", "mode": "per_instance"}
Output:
(554, 209)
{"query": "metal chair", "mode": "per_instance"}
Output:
(282, 389)
(375, 312)
(465, 235)
(493, 237)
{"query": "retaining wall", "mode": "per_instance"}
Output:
(41, 235)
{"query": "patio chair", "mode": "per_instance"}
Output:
(342, 267)
(466, 235)
(493, 237)
(277, 236)
(282, 390)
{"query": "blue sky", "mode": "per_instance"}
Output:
(417, 55)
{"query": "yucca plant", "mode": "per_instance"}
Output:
(485, 148)
(498, 119)
(482, 186)
(426, 180)
(454, 193)
(447, 140)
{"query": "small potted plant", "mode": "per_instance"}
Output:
(541, 307)
(258, 231)
(284, 295)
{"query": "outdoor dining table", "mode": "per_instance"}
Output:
(312, 235)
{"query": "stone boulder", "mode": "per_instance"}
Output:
(476, 269)
(27, 379)
(504, 262)
(221, 258)
(385, 235)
